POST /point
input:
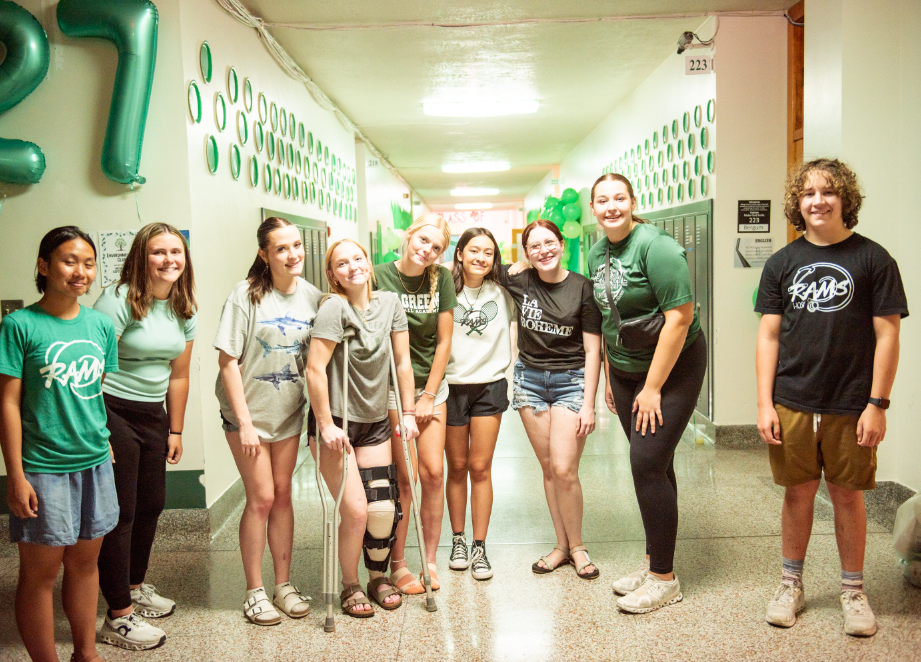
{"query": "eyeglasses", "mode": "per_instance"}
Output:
(549, 244)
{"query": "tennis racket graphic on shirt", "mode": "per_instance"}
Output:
(476, 319)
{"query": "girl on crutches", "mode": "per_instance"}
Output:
(370, 506)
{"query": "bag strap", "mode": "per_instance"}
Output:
(607, 288)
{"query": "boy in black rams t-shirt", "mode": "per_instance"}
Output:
(828, 348)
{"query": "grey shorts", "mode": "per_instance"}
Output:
(82, 505)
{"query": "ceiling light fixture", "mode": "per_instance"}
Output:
(479, 108)
(477, 166)
(468, 191)
(473, 205)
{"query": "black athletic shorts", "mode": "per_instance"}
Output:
(360, 434)
(467, 400)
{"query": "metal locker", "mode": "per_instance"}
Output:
(307, 273)
(323, 284)
(670, 227)
(687, 242)
(702, 265)
(315, 257)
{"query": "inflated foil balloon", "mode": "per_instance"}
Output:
(571, 229)
(25, 66)
(572, 211)
(551, 202)
(132, 26)
(569, 196)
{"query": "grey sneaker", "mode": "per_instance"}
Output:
(653, 594)
(131, 632)
(150, 604)
(859, 619)
(479, 563)
(459, 558)
(788, 601)
(633, 581)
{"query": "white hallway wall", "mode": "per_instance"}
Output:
(863, 105)
(749, 141)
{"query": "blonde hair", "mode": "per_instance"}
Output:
(435, 221)
(334, 286)
(136, 276)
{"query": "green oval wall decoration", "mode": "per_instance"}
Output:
(235, 161)
(220, 112)
(704, 138)
(211, 155)
(711, 110)
(194, 102)
(698, 118)
(242, 128)
(204, 61)
(263, 108)
(711, 162)
(273, 116)
(301, 135)
(267, 178)
(270, 145)
(248, 95)
(258, 135)
(686, 122)
(253, 171)
(233, 85)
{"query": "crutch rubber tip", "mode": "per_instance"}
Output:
(430, 604)
(329, 626)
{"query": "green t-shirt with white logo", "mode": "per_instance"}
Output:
(413, 292)
(649, 274)
(60, 363)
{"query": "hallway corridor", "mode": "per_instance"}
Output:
(728, 560)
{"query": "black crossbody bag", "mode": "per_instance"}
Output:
(639, 332)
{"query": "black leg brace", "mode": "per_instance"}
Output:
(389, 493)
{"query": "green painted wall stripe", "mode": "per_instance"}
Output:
(183, 490)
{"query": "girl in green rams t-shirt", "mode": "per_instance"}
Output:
(426, 291)
(653, 392)
(153, 308)
(60, 489)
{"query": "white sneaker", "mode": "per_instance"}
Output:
(131, 632)
(633, 581)
(459, 558)
(859, 619)
(653, 594)
(150, 604)
(788, 601)
(480, 564)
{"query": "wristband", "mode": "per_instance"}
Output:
(427, 393)
(178, 434)
(882, 403)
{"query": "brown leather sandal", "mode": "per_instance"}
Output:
(350, 601)
(379, 594)
(541, 570)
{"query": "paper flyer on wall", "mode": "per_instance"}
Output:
(752, 252)
(113, 250)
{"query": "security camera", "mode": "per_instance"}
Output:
(684, 41)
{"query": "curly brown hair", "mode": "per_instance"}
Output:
(839, 176)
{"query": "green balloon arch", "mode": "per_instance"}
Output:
(23, 69)
(132, 26)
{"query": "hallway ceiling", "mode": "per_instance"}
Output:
(580, 72)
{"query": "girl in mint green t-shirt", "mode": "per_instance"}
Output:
(153, 309)
(60, 489)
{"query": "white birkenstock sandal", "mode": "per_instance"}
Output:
(291, 601)
(259, 610)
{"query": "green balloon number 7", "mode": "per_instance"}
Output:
(132, 26)
(25, 66)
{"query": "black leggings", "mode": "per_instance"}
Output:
(652, 457)
(138, 435)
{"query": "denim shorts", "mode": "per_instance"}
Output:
(227, 425)
(80, 505)
(542, 389)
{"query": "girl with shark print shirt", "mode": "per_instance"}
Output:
(263, 338)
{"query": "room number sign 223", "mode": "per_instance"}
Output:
(695, 65)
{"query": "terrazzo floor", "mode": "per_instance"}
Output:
(728, 559)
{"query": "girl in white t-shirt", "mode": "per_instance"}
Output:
(481, 352)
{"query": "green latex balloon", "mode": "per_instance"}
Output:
(551, 202)
(132, 26)
(572, 211)
(23, 69)
(544, 214)
(557, 218)
(571, 229)
(390, 256)
(569, 196)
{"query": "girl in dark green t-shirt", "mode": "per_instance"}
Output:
(426, 291)
(642, 270)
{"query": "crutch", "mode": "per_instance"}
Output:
(426, 577)
(331, 526)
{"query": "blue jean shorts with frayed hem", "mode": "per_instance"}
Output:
(542, 389)
(82, 505)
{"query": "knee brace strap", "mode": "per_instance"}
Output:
(389, 492)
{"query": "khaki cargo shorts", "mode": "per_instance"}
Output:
(813, 442)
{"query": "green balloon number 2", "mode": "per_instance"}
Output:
(23, 70)
(132, 26)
